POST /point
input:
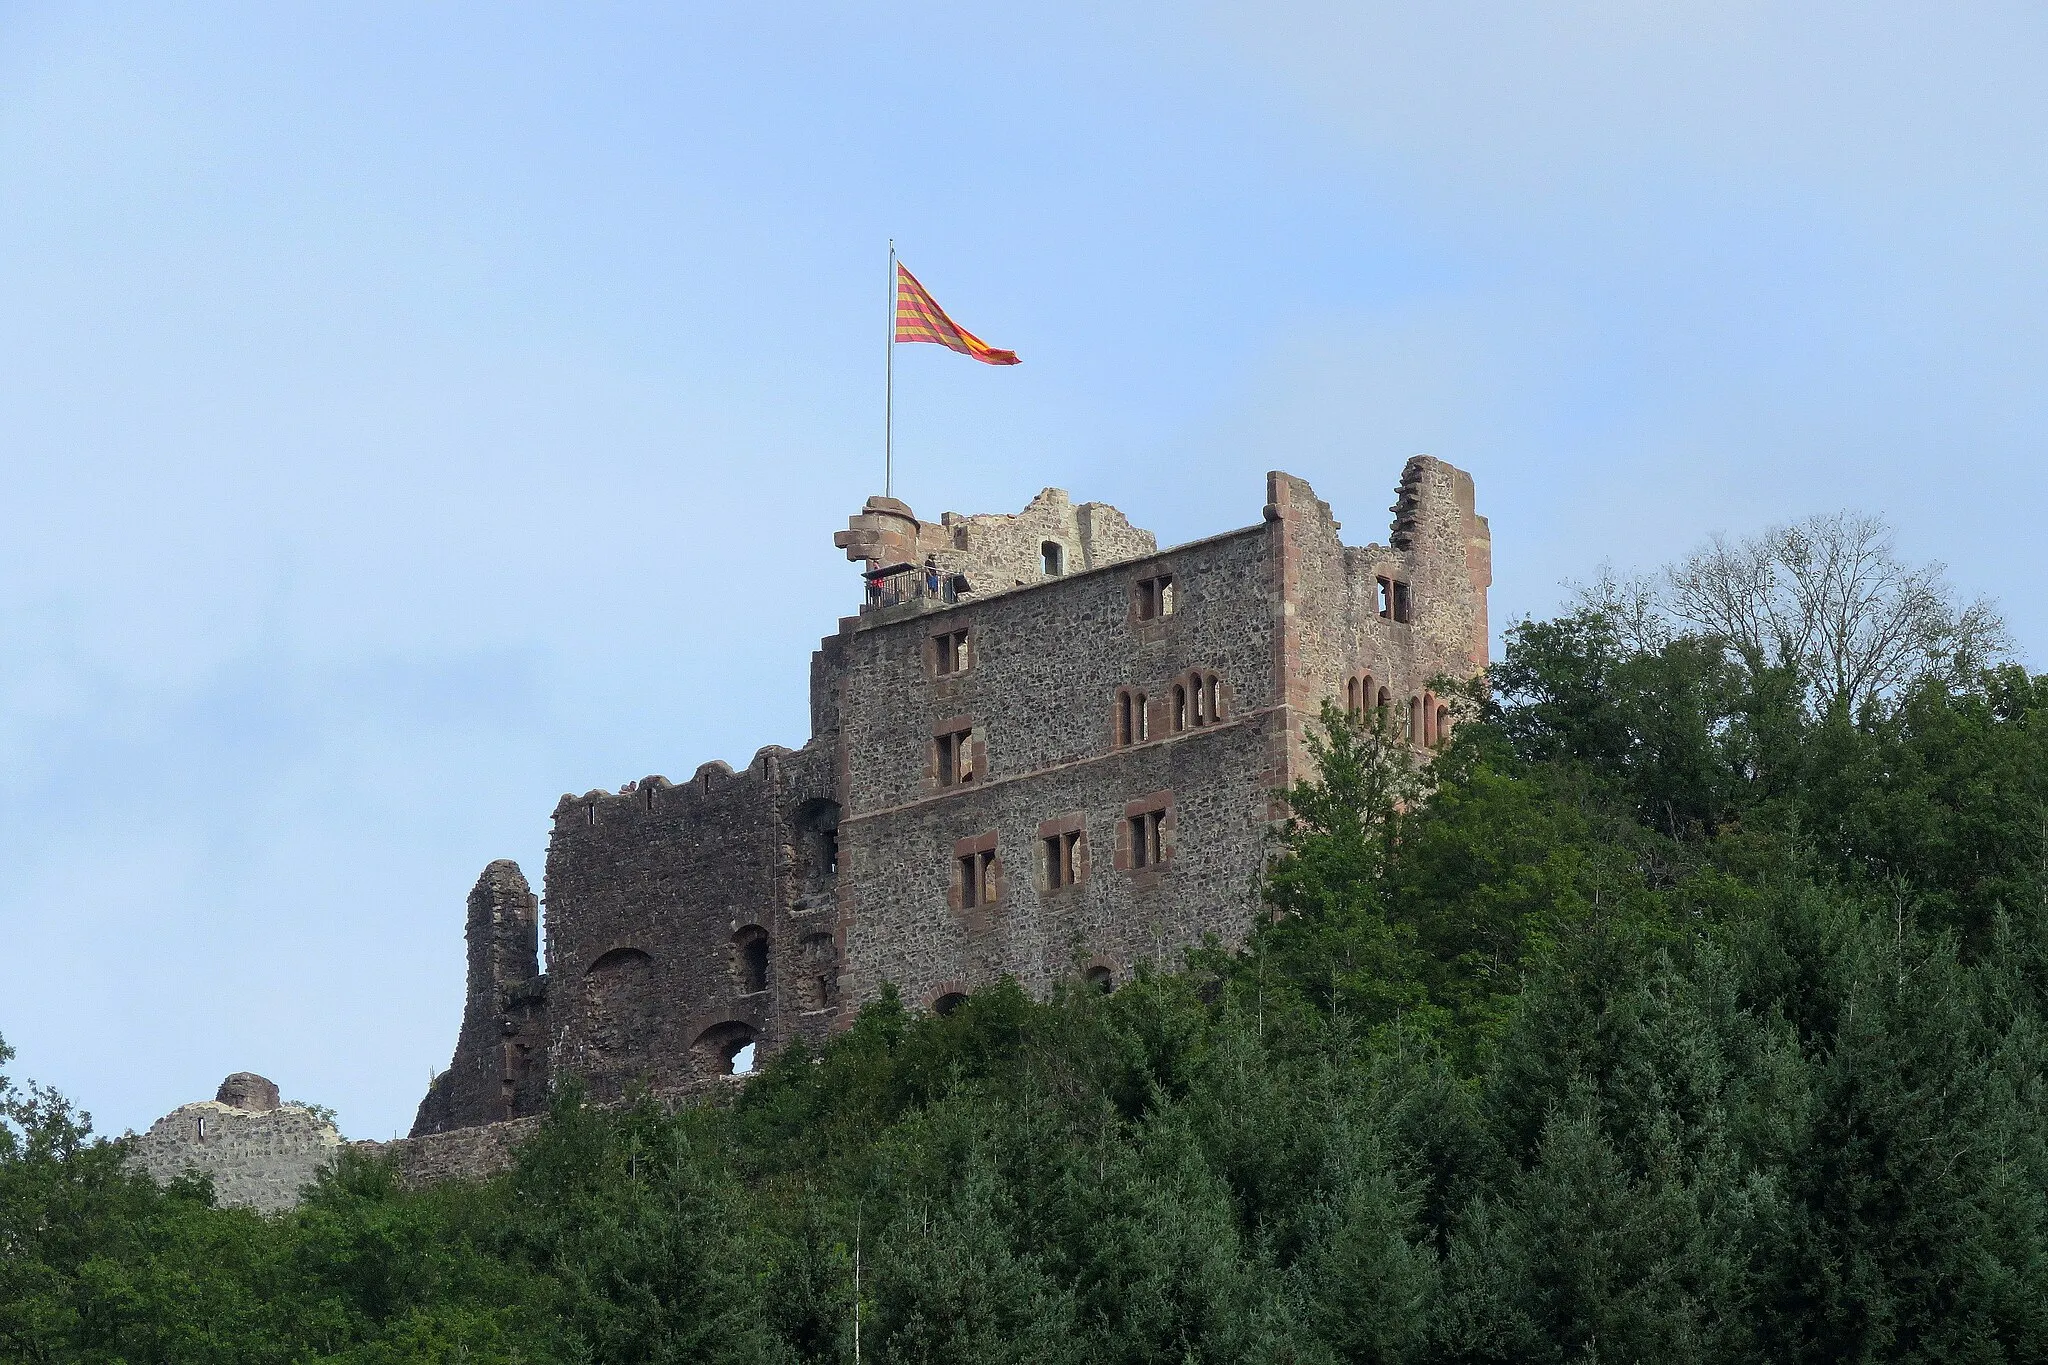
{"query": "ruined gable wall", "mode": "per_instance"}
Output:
(1439, 547)
(999, 550)
(500, 1067)
(258, 1160)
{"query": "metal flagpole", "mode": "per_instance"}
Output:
(889, 388)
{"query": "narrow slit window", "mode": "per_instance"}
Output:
(1386, 596)
(970, 883)
(1126, 733)
(1141, 715)
(986, 876)
(1180, 706)
(1402, 601)
(1052, 559)
(1215, 698)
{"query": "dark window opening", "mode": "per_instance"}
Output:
(1401, 601)
(1386, 598)
(753, 951)
(1155, 597)
(1102, 979)
(947, 1003)
(951, 652)
(1125, 732)
(954, 754)
(1386, 699)
(1443, 725)
(816, 840)
(1052, 559)
(1147, 845)
(1415, 720)
(1180, 707)
(1062, 859)
(978, 878)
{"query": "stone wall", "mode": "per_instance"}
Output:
(260, 1153)
(501, 1055)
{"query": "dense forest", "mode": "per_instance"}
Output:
(1688, 1004)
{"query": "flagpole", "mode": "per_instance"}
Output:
(889, 388)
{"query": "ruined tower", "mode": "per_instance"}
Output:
(1042, 747)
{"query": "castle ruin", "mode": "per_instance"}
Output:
(1044, 747)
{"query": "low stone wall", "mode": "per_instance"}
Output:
(459, 1154)
(258, 1159)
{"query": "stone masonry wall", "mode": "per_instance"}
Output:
(500, 1066)
(656, 897)
(258, 1158)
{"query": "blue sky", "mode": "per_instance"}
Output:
(409, 414)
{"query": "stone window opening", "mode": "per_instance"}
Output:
(1443, 726)
(1155, 597)
(949, 652)
(818, 987)
(816, 844)
(728, 1049)
(1100, 978)
(1131, 723)
(1062, 859)
(201, 1134)
(955, 755)
(1148, 848)
(1197, 701)
(978, 878)
(752, 946)
(1415, 720)
(947, 1003)
(1052, 559)
(1394, 601)
(1386, 701)
(1358, 695)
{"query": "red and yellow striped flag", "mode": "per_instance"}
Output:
(919, 318)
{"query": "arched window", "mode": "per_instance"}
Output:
(1101, 978)
(1126, 731)
(947, 1003)
(727, 1049)
(1199, 687)
(751, 948)
(1180, 706)
(1386, 700)
(1215, 697)
(1351, 696)
(1052, 559)
(1415, 720)
(1443, 725)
